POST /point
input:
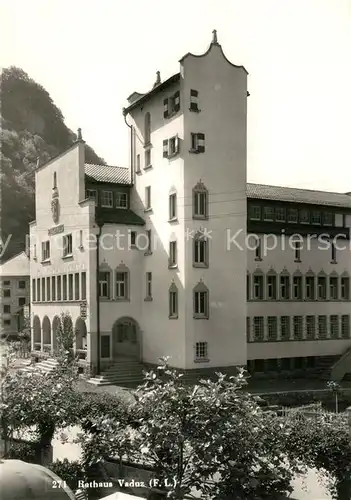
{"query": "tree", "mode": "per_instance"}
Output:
(213, 437)
(335, 389)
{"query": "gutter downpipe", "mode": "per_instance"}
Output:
(131, 146)
(100, 224)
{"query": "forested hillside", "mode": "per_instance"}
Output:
(31, 127)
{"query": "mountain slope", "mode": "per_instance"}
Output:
(31, 127)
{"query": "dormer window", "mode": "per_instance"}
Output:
(171, 105)
(121, 200)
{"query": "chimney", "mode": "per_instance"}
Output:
(158, 79)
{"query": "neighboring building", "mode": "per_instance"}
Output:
(169, 278)
(14, 292)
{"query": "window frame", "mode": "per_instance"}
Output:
(104, 195)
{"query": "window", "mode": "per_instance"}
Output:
(297, 245)
(310, 288)
(59, 288)
(304, 216)
(171, 105)
(200, 257)
(284, 287)
(292, 215)
(316, 218)
(6, 322)
(148, 198)
(121, 285)
(137, 168)
(70, 287)
(333, 252)
(22, 284)
(80, 239)
(53, 288)
(105, 346)
(255, 212)
(258, 287)
(172, 206)
(106, 199)
(173, 302)
(171, 147)
(64, 287)
(310, 327)
(7, 309)
(333, 288)
(339, 220)
(91, 194)
(280, 214)
(334, 326)
(201, 301)
(201, 350)
(48, 289)
(104, 284)
(328, 218)
(45, 250)
(272, 328)
(322, 288)
(38, 289)
(7, 283)
(21, 301)
(298, 327)
(43, 295)
(35, 252)
(271, 287)
(345, 326)
(345, 288)
(268, 213)
(200, 201)
(285, 328)
(76, 286)
(7, 292)
(84, 286)
(258, 252)
(248, 287)
(121, 200)
(297, 288)
(172, 254)
(133, 238)
(322, 327)
(147, 129)
(248, 336)
(34, 298)
(67, 245)
(258, 327)
(197, 143)
(149, 242)
(147, 159)
(194, 100)
(148, 285)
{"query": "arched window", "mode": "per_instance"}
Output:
(173, 301)
(201, 301)
(258, 284)
(147, 129)
(271, 285)
(200, 201)
(284, 285)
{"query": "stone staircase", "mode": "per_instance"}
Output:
(324, 367)
(123, 373)
(45, 366)
(342, 367)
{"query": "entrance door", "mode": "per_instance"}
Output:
(125, 339)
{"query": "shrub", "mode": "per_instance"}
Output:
(23, 451)
(70, 472)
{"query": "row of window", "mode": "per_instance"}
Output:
(282, 364)
(7, 307)
(6, 292)
(171, 105)
(67, 247)
(295, 215)
(285, 328)
(108, 199)
(59, 287)
(298, 287)
(297, 246)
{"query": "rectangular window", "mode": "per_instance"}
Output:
(316, 218)
(106, 199)
(334, 326)
(147, 158)
(310, 288)
(121, 200)
(38, 289)
(7, 309)
(138, 166)
(172, 206)
(174, 104)
(133, 237)
(173, 303)
(149, 241)
(322, 327)
(345, 288)
(297, 287)
(104, 285)
(121, 285)
(149, 285)
(271, 287)
(6, 322)
(328, 218)
(91, 194)
(105, 346)
(298, 327)
(201, 350)
(255, 212)
(84, 285)
(268, 213)
(297, 245)
(248, 287)
(333, 288)
(171, 147)
(201, 304)
(22, 284)
(248, 336)
(76, 287)
(45, 250)
(200, 252)
(284, 287)
(43, 290)
(258, 327)
(339, 220)
(48, 289)
(345, 326)
(148, 198)
(53, 288)
(200, 204)
(34, 295)
(59, 288)
(310, 327)
(293, 215)
(280, 214)
(322, 288)
(172, 254)
(333, 252)
(197, 143)
(272, 328)
(64, 286)
(304, 216)
(258, 250)
(7, 292)
(285, 328)
(194, 100)
(258, 287)
(7, 283)
(21, 301)
(67, 245)
(70, 287)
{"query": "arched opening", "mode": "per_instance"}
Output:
(126, 338)
(36, 333)
(46, 333)
(81, 333)
(56, 325)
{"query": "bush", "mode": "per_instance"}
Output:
(71, 472)
(304, 398)
(23, 451)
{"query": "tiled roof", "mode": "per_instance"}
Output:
(107, 173)
(297, 195)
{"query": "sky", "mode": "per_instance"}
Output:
(90, 55)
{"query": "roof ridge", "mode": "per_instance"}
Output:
(299, 188)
